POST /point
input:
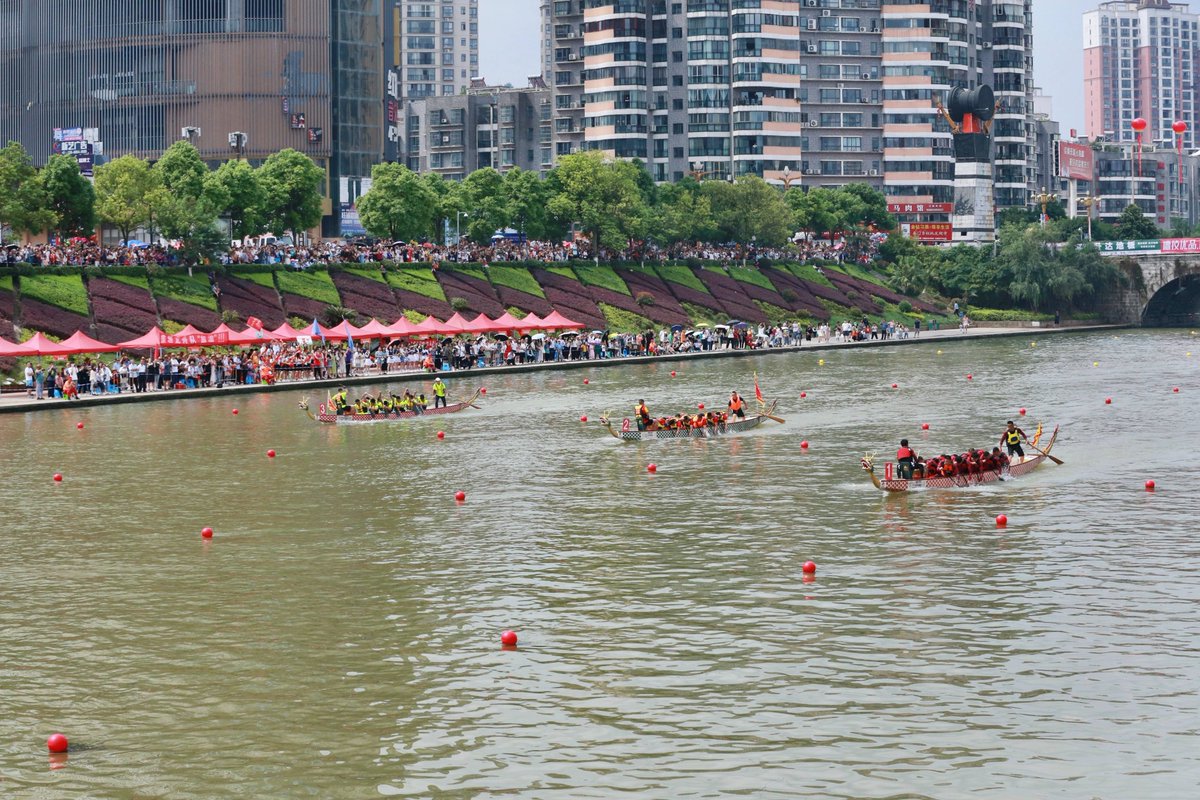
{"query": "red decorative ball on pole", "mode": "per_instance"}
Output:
(804, 445)
(586, 381)
(803, 395)
(1180, 127)
(1138, 124)
(57, 743)
(1021, 412)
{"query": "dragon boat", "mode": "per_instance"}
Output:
(629, 432)
(891, 482)
(327, 416)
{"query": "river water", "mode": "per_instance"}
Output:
(339, 637)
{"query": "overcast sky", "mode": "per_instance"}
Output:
(510, 52)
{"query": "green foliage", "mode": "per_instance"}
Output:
(415, 317)
(292, 183)
(682, 214)
(644, 299)
(140, 281)
(621, 321)
(752, 275)
(1006, 315)
(69, 196)
(525, 195)
(64, 291)
(600, 194)
(1134, 224)
(315, 284)
(471, 271)
(194, 289)
(171, 327)
(517, 278)
(776, 315)
(24, 202)
(245, 200)
(6, 283)
(399, 206)
(604, 277)
(682, 276)
(334, 315)
(126, 189)
(420, 280)
(362, 272)
(263, 276)
(459, 303)
(749, 210)
(565, 272)
(699, 314)
(481, 194)
(808, 272)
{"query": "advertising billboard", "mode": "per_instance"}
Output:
(1076, 161)
(929, 231)
(920, 208)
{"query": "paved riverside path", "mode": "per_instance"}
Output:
(18, 402)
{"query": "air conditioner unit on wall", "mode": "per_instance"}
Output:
(812, 123)
(825, 12)
(812, 48)
(874, 173)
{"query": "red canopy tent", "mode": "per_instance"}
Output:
(556, 321)
(456, 324)
(80, 342)
(286, 331)
(190, 330)
(340, 332)
(507, 322)
(372, 330)
(8, 348)
(39, 345)
(483, 324)
(428, 327)
(150, 340)
(402, 327)
(248, 336)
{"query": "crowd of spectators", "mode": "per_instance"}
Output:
(85, 252)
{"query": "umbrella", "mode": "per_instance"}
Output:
(500, 336)
(676, 328)
(720, 327)
(565, 334)
(741, 325)
(538, 336)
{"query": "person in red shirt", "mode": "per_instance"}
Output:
(906, 457)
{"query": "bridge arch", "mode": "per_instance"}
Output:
(1160, 290)
(1175, 305)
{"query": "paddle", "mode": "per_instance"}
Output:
(1058, 461)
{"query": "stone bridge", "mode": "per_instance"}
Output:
(1161, 291)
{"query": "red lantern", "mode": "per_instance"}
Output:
(1180, 127)
(1139, 124)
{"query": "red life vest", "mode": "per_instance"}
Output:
(904, 452)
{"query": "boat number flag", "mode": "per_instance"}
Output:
(757, 391)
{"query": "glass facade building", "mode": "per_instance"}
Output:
(304, 74)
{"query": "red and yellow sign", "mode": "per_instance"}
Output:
(930, 231)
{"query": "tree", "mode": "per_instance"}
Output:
(181, 171)
(1015, 215)
(599, 194)
(126, 192)
(481, 195)
(870, 206)
(399, 206)
(69, 196)
(292, 184)
(749, 210)
(24, 204)
(683, 214)
(525, 195)
(1134, 224)
(816, 211)
(186, 203)
(246, 199)
(443, 209)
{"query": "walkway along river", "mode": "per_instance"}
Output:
(339, 636)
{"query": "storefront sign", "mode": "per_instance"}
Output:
(930, 231)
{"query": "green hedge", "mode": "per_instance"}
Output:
(1006, 315)
(361, 272)
(682, 276)
(807, 272)
(140, 281)
(470, 270)
(64, 291)
(315, 284)
(178, 285)
(621, 321)
(713, 316)
(601, 276)
(518, 278)
(417, 279)
(752, 276)
(6, 283)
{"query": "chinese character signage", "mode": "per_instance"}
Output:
(1144, 246)
(929, 231)
(1076, 161)
(920, 208)
(1181, 245)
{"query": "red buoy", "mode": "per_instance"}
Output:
(1021, 412)
(270, 454)
(672, 373)
(207, 533)
(79, 425)
(1001, 520)
(652, 468)
(583, 418)
(924, 426)
(235, 412)
(508, 638)
(809, 567)
(895, 386)
(483, 390)
(1149, 486)
(460, 497)
(586, 381)
(58, 477)
(804, 445)
(57, 743)
(803, 394)
(441, 434)
(700, 406)
(1108, 401)
(1175, 390)
(970, 377)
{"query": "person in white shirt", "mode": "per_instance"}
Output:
(29, 380)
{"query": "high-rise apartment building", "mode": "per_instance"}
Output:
(434, 46)
(1140, 60)
(812, 92)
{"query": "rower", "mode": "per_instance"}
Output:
(340, 405)
(737, 406)
(906, 457)
(1011, 437)
(439, 392)
(643, 416)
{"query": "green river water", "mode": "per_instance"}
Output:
(339, 637)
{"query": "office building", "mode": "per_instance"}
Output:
(239, 78)
(434, 46)
(485, 126)
(811, 92)
(1140, 60)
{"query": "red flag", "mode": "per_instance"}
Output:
(254, 322)
(757, 391)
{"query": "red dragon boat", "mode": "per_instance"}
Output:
(891, 483)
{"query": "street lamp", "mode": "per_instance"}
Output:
(788, 177)
(1087, 201)
(458, 215)
(1044, 199)
(191, 133)
(696, 172)
(238, 140)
